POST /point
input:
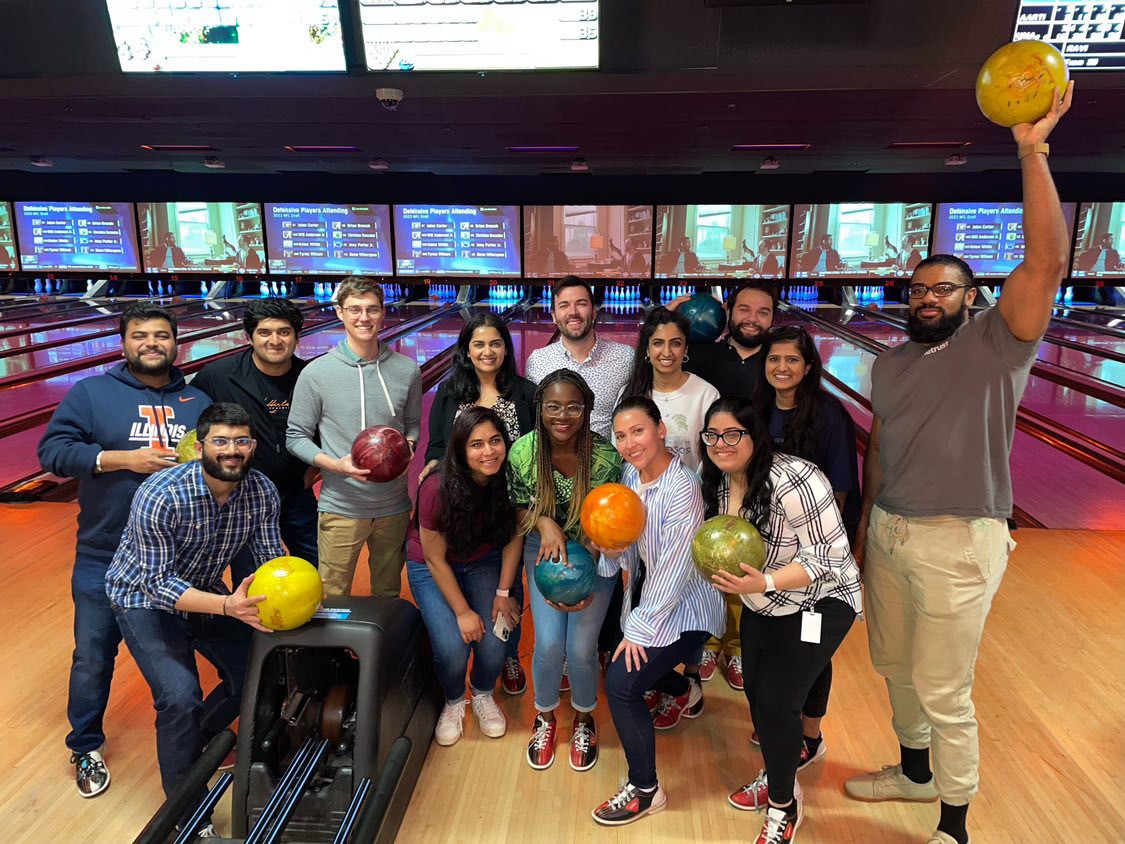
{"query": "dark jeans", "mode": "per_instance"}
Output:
(610, 636)
(631, 718)
(163, 645)
(477, 582)
(96, 637)
(779, 671)
(298, 522)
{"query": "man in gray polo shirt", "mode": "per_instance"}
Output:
(933, 537)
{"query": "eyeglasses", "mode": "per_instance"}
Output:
(355, 311)
(239, 442)
(572, 410)
(943, 289)
(732, 436)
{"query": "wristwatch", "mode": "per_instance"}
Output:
(770, 588)
(503, 593)
(98, 463)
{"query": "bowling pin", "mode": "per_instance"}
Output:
(263, 289)
(1068, 297)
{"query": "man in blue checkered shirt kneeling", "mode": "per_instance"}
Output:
(166, 589)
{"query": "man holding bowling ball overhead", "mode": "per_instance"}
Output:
(933, 535)
(359, 384)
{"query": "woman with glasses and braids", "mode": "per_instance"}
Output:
(551, 469)
(484, 375)
(798, 608)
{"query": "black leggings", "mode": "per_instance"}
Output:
(779, 671)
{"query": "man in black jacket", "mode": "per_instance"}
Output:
(261, 379)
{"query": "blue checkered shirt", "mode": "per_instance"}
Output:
(179, 537)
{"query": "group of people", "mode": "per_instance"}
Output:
(740, 427)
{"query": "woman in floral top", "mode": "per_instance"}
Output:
(552, 468)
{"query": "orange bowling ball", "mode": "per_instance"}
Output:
(613, 516)
(1018, 81)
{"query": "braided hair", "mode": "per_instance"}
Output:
(543, 504)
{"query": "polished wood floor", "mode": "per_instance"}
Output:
(1050, 697)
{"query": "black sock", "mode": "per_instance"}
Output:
(693, 674)
(916, 764)
(953, 822)
(813, 745)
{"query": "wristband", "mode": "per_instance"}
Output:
(770, 588)
(98, 464)
(503, 593)
(1031, 149)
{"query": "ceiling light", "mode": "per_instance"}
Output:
(179, 148)
(563, 148)
(41, 161)
(378, 164)
(322, 148)
(928, 145)
(769, 163)
(769, 147)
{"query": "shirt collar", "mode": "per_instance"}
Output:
(589, 357)
(199, 488)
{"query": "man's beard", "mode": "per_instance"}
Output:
(935, 331)
(587, 327)
(220, 473)
(747, 341)
(138, 365)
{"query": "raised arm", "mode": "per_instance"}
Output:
(1030, 290)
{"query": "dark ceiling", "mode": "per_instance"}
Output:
(679, 85)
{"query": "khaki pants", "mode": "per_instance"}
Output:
(731, 644)
(340, 540)
(929, 587)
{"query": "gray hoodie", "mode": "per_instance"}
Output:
(336, 397)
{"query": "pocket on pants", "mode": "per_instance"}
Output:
(989, 546)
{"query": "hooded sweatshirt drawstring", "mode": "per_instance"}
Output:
(363, 395)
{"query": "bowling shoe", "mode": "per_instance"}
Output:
(780, 827)
(807, 758)
(630, 804)
(541, 748)
(91, 776)
(755, 796)
(672, 709)
(734, 673)
(889, 784)
(513, 678)
(583, 745)
(708, 665)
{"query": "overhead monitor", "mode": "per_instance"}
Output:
(859, 239)
(181, 36)
(77, 236)
(988, 236)
(202, 237)
(474, 35)
(1097, 247)
(9, 256)
(1090, 33)
(721, 241)
(328, 239)
(604, 241)
(457, 240)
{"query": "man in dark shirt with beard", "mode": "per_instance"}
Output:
(261, 380)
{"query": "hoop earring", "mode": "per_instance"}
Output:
(647, 360)
(685, 359)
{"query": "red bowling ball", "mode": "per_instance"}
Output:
(383, 451)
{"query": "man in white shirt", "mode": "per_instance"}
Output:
(604, 364)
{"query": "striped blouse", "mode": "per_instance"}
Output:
(675, 598)
(804, 526)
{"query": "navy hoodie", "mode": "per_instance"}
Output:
(114, 412)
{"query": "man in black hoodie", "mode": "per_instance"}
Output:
(111, 431)
(261, 380)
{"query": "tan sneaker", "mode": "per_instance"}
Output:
(890, 784)
(940, 837)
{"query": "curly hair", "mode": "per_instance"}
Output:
(474, 514)
(755, 506)
(464, 383)
(544, 502)
(800, 432)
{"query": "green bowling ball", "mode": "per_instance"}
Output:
(723, 542)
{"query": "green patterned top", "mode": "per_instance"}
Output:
(522, 483)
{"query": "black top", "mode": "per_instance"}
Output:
(267, 399)
(443, 412)
(835, 454)
(721, 365)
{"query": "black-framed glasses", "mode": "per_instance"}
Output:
(555, 409)
(239, 442)
(731, 436)
(943, 289)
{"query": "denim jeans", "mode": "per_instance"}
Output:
(478, 581)
(569, 635)
(163, 645)
(626, 690)
(96, 637)
(297, 519)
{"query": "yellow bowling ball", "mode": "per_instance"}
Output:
(1017, 82)
(293, 591)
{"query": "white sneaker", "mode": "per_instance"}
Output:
(207, 831)
(90, 773)
(489, 717)
(890, 784)
(451, 723)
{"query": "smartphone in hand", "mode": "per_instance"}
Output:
(501, 629)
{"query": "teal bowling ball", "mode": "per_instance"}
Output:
(567, 584)
(706, 316)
